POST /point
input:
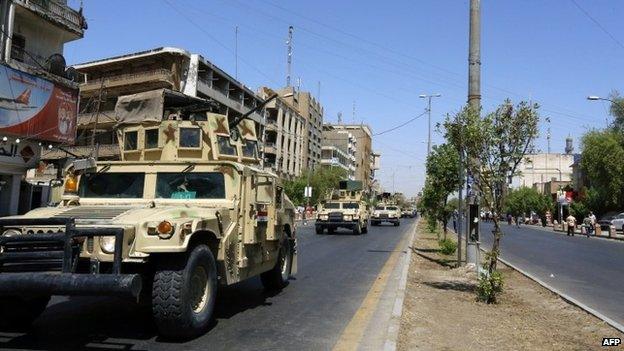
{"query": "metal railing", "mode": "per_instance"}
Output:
(58, 11)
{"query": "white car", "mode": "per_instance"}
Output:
(618, 222)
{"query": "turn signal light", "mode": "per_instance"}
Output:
(71, 184)
(164, 227)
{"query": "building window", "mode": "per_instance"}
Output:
(18, 47)
(130, 140)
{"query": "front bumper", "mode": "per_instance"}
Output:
(337, 224)
(46, 263)
(385, 219)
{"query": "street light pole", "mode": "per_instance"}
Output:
(429, 97)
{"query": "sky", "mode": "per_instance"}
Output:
(372, 59)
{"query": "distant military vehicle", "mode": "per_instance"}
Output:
(386, 210)
(187, 209)
(343, 208)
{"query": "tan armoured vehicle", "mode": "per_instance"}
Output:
(343, 208)
(386, 211)
(187, 209)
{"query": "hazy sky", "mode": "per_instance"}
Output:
(381, 55)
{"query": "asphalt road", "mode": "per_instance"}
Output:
(335, 274)
(588, 270)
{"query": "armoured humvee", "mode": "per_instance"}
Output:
(187, 209)
(343, 208)
(386, 211)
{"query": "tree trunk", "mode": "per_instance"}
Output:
(444, 224)
(495, 246)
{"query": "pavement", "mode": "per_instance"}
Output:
(587, 270)
(342, 298)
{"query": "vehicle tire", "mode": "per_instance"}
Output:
(19, 312)
(319, 230)
(184, 292)
(357, 229)
(277, 277)
(397, 223)
(331, 230)
(365, 228)
(374, 224)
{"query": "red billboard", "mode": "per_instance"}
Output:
(35, 108)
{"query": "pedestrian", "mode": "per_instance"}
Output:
(455, 215)
(571, 220)
(509, 218)
(518, 220)
(587, 225)
(592, 219)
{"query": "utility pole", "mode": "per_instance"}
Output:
(290, 52)
(429, 97)
(474, 101)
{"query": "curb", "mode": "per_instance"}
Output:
(392, 333)
(566, 297)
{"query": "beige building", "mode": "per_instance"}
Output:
(543, 168)
(180, 73)
(365, 162)
(312, 111)
(40, 97)
(338, 150)
(284, 137)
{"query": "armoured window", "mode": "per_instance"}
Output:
(379, 208)
(130, 140)
(209, 185)
(151, 138)
(391, 208)
(112, 185)
(332, 205)
(225, 147)
(250, 148)
(351, 205)
(190, 137)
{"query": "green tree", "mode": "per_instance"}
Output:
(442, 180)
(524, 200)
(601, 160)
(616, 110)
(321, 180)
(493, 146)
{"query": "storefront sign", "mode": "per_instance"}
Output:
(35, 108)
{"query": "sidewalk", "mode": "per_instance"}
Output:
(616, 236)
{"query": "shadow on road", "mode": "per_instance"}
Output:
(100, 323)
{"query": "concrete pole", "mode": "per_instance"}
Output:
(474, 100)
(429, 132)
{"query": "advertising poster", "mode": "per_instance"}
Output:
(35, 108)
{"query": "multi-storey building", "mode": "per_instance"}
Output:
(338, 150)
(364, 160)
(284, 137)
(177, 72)
(312, 111)
(538, 169)
(39, 98)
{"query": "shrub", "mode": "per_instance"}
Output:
(432, 224)
(489, 287)
(447, 246)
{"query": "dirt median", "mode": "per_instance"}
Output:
(440, 310)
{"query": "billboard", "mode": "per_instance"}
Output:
(35, 108)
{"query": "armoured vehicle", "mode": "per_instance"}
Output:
(343, 208)
(386, 211)
(186, 210)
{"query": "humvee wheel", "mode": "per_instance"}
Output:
(365, 228)
(184, 292)
(397, 223)
(331, 230)
(21, 312)
(374, 224)
(357, 229)
(277, 277)
(319, 230)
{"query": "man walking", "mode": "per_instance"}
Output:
(571, 225)
(592, 222)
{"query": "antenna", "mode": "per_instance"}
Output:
(318, 91)
(353, 115)
(299, 84)
(290, 52)
(236, 53)
(339, 117)
(548, 134)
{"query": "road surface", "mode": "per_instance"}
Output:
(588, 270)
(335, 274)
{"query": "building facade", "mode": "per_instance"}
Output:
(284, 137)
(543, 168)
(39, 98)
(312, 111)
(365, 162)
(175, 70)
(338, 150)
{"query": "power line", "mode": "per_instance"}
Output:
(591, 18)
(401, 125)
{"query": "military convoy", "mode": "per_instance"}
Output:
(186, 210)
(344, 207)
(386, 211)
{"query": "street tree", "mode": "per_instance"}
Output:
(442, 180)
(321, 180)
(493, 146)
(524, 200)
(616, 110)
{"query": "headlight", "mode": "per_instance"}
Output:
(12, 232)
(107, 243)
(165, 229)
(71, 184)
(323, 217)
(348, 217)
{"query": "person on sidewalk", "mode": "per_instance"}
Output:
(587, 225)
(571, 220)
(592, 219)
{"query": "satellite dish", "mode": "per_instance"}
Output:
(71, 73)
(56, 64)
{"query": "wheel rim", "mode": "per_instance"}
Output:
(199, 289)
(284, 263)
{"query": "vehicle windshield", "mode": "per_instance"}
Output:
(332, 205)
(112, 185)
(350, 205)
(379, 208)
(391, 208)
(210, 185)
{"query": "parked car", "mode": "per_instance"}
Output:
(616, 220)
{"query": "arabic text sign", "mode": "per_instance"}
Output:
(36, 108)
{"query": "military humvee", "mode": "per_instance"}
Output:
(386, 211)
(187, 209)
(343, 208)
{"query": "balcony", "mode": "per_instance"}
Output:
(58, 12)
(107, 151)
(269, 148)
(157, 78)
